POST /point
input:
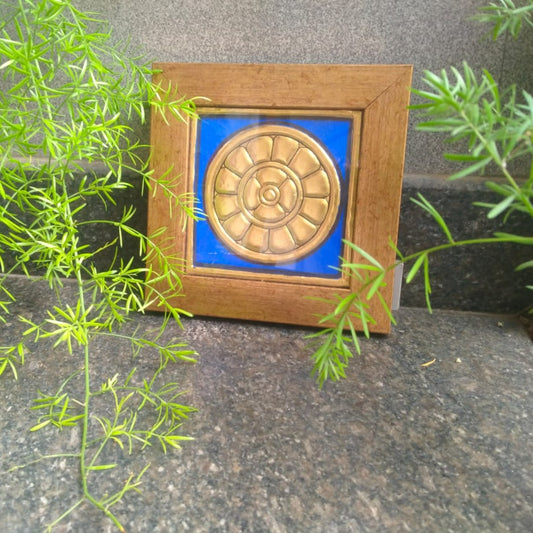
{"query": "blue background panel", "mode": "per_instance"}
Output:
(333, 133)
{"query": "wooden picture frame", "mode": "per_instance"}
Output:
(241, 262)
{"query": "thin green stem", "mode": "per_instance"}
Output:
(71, 509)
(416, 255)
(448, 245)
(43, 458)
(84, 468)
(105, 440)
(87, 393)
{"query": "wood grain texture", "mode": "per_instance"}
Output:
(283, 86)
(380, 92)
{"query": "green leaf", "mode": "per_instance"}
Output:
(501, 189)
(523, 266)
(386, 308)
(102, 467)
(501, 207)
(463, 157)
(427, 284)
(361, 266)
(40, 425)
(376, 286)
(416, 267)
(427, 206)
(364, 254)
(519, 239)
(472, 169)
(394, 247)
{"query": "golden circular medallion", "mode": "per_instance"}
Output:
(271, 194)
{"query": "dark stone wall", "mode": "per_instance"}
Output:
(472, 278)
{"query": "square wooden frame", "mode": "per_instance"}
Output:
(378, 94)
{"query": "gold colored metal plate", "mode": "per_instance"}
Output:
(271, 194)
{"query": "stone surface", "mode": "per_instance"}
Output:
(471, 278)
(397, 446)
(429, 34)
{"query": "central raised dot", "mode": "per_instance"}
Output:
(269, 194)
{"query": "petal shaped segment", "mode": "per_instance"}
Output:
(288, 195)
(301, 229)
(250, 194)
(281, 240)
(226, 205)
(256, 239)
(304, 162)
(260, 148)
(317, 184)
(227, 182)
(314, 210)
(284, 149)
(239, 161)
(236, 226)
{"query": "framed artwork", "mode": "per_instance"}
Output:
(285, 161)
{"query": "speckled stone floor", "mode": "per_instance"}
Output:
(397, 446)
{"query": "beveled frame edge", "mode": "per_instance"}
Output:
(380, 92)
(343, 280)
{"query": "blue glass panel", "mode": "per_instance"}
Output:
(333, 133)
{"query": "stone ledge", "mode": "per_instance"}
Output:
(480, 278)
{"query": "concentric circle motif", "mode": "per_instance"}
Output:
(271, 194)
